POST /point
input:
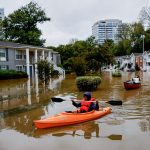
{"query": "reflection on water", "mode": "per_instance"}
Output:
(22, 101)
(87, 130)
(84, 129)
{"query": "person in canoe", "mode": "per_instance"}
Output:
(87, 104)
(136, 79)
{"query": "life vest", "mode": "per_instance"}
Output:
(85, 105)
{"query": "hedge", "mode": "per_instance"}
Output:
(12, 74)
(88, 83)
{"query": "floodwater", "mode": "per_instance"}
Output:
(126, 128)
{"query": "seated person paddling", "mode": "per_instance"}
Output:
(136, 79)
(87, 104)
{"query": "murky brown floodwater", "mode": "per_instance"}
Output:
(126, 128)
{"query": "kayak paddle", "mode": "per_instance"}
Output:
(111, 102)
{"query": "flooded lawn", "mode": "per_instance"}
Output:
(126, 128)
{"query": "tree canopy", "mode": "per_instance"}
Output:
(21, 25)
(80, 56)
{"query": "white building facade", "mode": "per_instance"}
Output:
(141, 59)
(22, 57)
(106, 30)
(146, 61)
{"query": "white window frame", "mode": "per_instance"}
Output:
(3, 58)
(3, 67)
(20, 54)
(19, 68)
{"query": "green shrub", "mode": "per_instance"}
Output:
(116, 74)
(54, 73)
(45, 70)
(12, 74)
(88, 83)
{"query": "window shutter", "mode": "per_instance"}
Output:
(6, 54)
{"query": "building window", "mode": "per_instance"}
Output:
(19, 68)
(2, 55)
(3, 67)
(24, 56)
(19, 55)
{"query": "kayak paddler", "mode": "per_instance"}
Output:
(87, 104)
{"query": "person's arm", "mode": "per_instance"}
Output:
(97, 106)
(76, 104)
(94, 106)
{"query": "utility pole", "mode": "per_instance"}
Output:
(143, 36)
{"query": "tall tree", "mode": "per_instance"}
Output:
(1, 32)
(144, 15)
(21, 25)
(147, 40)
(137, 30)
(124, 32)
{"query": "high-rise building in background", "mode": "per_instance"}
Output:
(1, 13)
(1, 18)
(106, 29)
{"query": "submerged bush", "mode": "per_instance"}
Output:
(88, 83)
(45, 70)
(116, 74)
(12, 74)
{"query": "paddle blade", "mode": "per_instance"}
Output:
(57, 99)
(114, 102)
(115, 137)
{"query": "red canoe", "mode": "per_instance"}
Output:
(131, 85)
(65, 118)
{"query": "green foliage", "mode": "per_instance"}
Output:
(116, 74)
(76, 55)
(130, 36)
(147, 40)
(21, 25)
(123, 47)
(124, 32)
(12, 74)
(79, 66)
(68, 65)
(93, 65)
(45, 70)
(1, 31)
(88, 83)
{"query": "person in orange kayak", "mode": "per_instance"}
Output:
(87, 104)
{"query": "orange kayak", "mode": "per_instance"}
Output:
(66, 118)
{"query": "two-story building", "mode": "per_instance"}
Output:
(124, 61)
(146, 61)
(133, 60)
(22, 57)
(137, 59)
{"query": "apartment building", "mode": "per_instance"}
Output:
(106, 29)
(22, 57)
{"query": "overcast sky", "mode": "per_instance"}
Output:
(73, 19)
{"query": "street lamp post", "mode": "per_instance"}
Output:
(143, 36)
